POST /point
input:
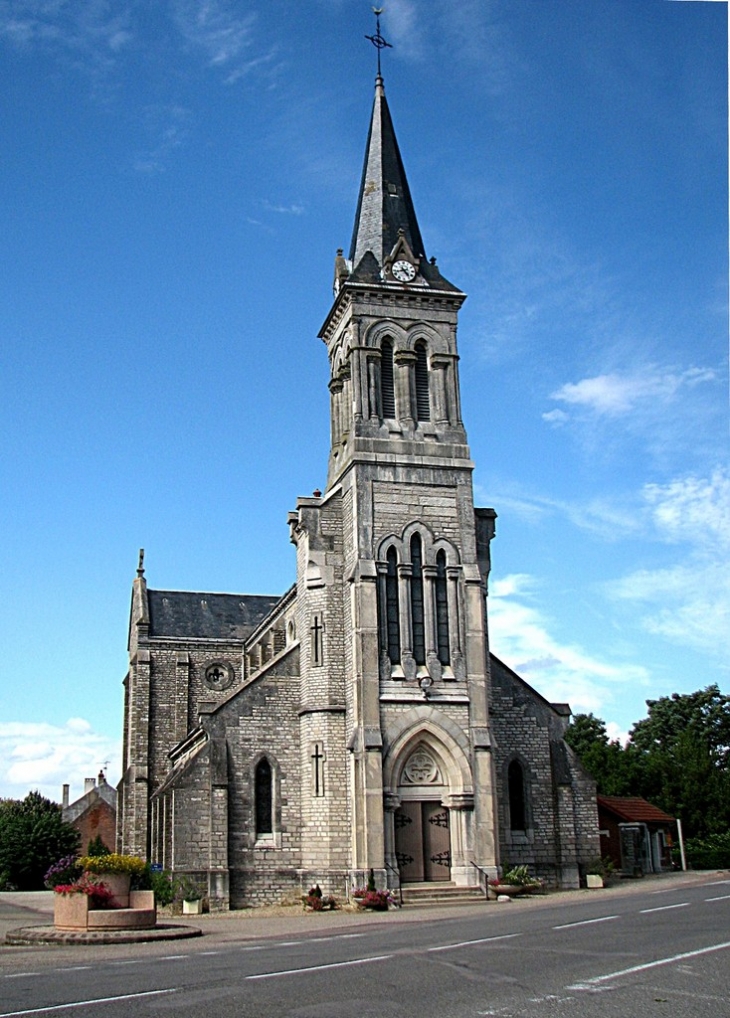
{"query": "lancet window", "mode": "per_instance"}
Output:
(442, 610)
(516, 793)
(417, 613)
(263, 798)
(392, 608)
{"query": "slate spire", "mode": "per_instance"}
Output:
(384, 206)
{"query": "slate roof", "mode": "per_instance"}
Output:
(194, 615)
(384, 205)
(103, 791)
(633, 809)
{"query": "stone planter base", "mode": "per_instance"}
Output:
(192, 907)
(594, 880)
(72, 912)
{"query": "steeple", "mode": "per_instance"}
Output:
(384, 206)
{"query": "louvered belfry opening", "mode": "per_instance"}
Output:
(387, 385)
(423, 401)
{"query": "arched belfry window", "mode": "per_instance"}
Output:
(387, 384)
(516, 791)
(423, 401)
(263, 796)
(392, 611)
(442, 610)
(417, 618)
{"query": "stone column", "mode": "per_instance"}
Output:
(429, 622)
(383, 655)
(439, 372)
(404, 362)
(408, 663)
(335, 388)
(373, 385)
(455, 636)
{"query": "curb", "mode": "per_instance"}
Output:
(26, 936)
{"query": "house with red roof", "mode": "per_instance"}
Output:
(636, 836)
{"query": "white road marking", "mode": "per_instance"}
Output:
(591, 984)
(586, 922)
(468, 943)
(663, 908)
(722, 897)
(315, 968)
(84, 1003)
(19, 975)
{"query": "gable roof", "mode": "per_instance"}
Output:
(101, 793)
(633, 809)
(195, 615)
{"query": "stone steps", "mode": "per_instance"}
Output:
(441, 892)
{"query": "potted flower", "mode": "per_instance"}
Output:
(116, 870)
(188, 890)
(598, 871)
(515, 881)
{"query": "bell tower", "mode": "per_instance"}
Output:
(415, 551)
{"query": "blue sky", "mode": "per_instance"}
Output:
(176, 178)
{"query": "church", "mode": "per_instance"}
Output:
(358, 722)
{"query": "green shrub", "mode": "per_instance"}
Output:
(97, 847)
(163, 886)
(710, 853)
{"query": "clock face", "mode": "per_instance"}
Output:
(403, 271)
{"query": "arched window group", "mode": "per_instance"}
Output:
(419, 612)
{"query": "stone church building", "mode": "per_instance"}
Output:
(358, 721)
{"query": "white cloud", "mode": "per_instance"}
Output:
(519, 635)
(215, 27)
(43, 756)
(687, 602)
(615, 394)
(96, 26)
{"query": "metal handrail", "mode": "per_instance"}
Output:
(482, 873)
(400, 882)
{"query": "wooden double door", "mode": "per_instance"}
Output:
(422, 841)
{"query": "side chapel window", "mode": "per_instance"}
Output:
(417, 618)
(263, 795)
(392, 608)
(516, 790)
(423, 401)
(387, 385)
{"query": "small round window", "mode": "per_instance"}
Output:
(219, 675)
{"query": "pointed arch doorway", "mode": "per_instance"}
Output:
(422, 834)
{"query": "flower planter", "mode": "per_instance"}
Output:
(511, 890)
(194, 907)
(594, 880)
(118, 884)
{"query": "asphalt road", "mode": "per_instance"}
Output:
(652, 948)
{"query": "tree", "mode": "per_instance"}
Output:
(677, 757)
(684, 745)
(33, 835)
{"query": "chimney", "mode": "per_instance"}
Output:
(64, 797)
(89, 783)
(102, 778)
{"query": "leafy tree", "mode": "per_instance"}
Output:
(677, 757)
(33, 836)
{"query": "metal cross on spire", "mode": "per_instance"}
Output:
(377, 40)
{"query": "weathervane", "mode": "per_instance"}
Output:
(377, 40)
